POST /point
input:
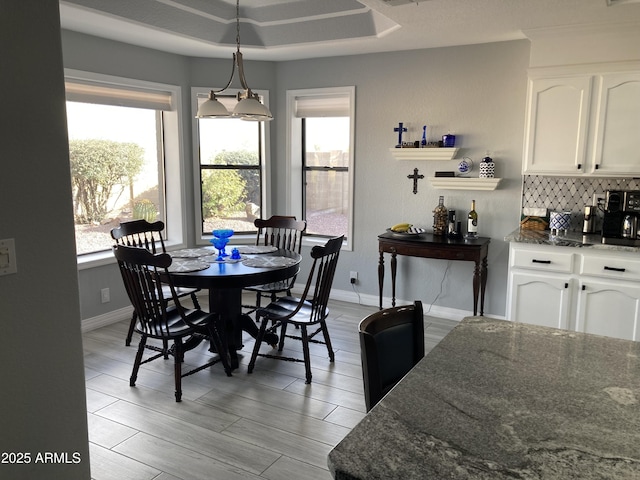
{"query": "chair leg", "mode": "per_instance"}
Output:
(305, 352)
(256, 346)
(178, 356)
(137, 361)
(283, 333)
(196, 303)
(132, 325)
(327, 340)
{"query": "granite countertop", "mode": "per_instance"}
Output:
(502, 400)
(591, 241)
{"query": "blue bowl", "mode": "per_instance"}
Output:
(222, 233)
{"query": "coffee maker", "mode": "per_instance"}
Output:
(621, 217)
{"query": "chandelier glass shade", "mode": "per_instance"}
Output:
(249, 106)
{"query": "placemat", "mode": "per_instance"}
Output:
(268, 262)
(254, 249)
(183, 266)
(190, 253)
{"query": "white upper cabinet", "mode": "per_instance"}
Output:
(583, 123)
(616, 148)
(557, 125)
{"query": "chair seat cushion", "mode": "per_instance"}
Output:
(177, 327)
(285, 306)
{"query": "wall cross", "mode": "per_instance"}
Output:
(415, 178)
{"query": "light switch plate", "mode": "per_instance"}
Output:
(8, 256)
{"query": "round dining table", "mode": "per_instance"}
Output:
(226, 279)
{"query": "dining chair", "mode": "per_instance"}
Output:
(146, 280)
(282, 232)
(308, 311)
(391, 343)
(142, 234)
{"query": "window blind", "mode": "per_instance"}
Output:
(105, 94)
(336, 105)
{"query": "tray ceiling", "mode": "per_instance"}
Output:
(292, 29)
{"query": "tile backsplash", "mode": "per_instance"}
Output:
(569, 194)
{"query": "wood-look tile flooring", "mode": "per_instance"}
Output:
(267, 425)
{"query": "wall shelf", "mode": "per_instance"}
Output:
(424, 153)
(464, 183)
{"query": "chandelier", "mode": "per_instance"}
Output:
(248, 106)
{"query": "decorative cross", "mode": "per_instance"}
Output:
(400, 129)
(415, 178)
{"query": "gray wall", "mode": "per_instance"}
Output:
(476, 91)
(42, 377)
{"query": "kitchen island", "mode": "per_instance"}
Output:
(504, 400)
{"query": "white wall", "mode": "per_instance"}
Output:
(476, 91)
(42, 396)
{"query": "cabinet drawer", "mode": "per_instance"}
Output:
(550, 261)
(621, 267)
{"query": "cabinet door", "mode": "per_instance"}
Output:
(557, 125)
(617, 140)
(608, 308)
(540, 299)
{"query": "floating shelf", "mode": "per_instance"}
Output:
(464, 183)
(424, 153)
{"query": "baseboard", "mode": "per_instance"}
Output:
(105, 319)
(374, 301)
(339, 295)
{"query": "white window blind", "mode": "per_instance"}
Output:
(105, 94)
(330, 105)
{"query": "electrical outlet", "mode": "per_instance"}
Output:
(353, 277)
(105, 295)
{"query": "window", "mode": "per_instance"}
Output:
(231, 170)
(321, 159)
(120, 134)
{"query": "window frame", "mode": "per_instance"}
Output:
(173, 156)
(295, 162)
(263, 145)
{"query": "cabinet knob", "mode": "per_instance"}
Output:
(579, 166)
(584, 287)
(597, 166)
(566, 285)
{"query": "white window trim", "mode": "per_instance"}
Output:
(294, 158)
(175, 194)
(197, 92)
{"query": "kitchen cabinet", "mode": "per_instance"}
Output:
(617, 145)
(583, 122)
(557, 125)
(581, 289)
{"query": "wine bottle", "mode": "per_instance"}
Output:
(440, 214)
(472, 221)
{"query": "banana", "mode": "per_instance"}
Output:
(401, 227)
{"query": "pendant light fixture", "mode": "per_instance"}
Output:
(248, 106)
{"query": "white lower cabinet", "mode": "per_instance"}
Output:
(608, 308)
(591, 291)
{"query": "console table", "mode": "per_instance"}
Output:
(427, 245)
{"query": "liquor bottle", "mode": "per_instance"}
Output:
(440, 214)
(472, 221)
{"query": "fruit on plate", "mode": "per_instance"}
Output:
(401, 227)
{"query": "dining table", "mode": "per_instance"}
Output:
(226, 278)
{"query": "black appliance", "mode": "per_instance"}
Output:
(621, 217)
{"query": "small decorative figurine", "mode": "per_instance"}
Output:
(424, 136)
(400, 129)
